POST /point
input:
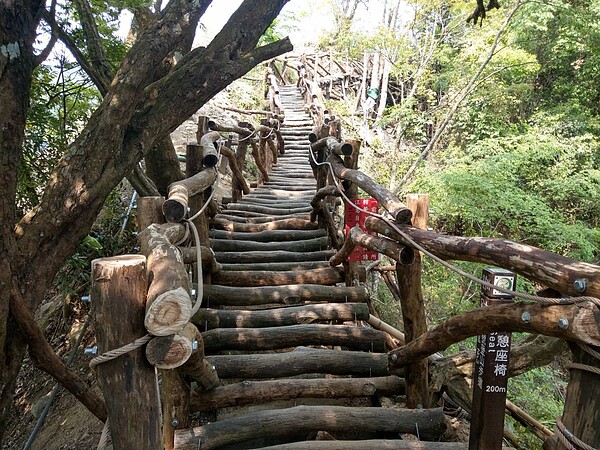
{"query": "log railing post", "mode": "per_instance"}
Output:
(413, 311)
(128, 382)
(581, 413)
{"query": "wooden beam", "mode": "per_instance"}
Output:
(541, 318)
(175, 208)
(247, 256)
(326, 276)
(283, 224)
(290, 294)
(271, 338)
(254, 392)
(549, 269)
(268, 235)
(303, 419)
(379, 444)
(305, 245)
(207, 318)
(301, 361)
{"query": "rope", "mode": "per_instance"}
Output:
(247, 137)
(522, 295)
(568, 439)
(584, 367)
(104, 437)
(112, 354)
(200, 290)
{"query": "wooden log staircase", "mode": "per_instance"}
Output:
(281, 350)
(291, 347)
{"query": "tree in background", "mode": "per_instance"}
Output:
(146, 91)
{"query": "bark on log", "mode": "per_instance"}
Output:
(149, 211)
(326, 276)
(209, 150)
(544, 318)
(386, 199)
(307, 245)
(207, 256)
(268, 235)
(235, 169)
(284, 224)
(278, 266)
(400, 253)
(379, 444)
(274, 256)
(264, 176)
(169, 352)
(301, 361)
(547, 268)
(175, 403)
(261, 219)
(175, 208)
(413, 317)
(128, 382)
(330, 143)
(253, 392)
(356, 338)
(267, 210)
(202, 371)
(292, 294)
(207, 319)
(304, 419)
(168, 305)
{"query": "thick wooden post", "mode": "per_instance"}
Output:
(128, 382)
(413, 311)
(581, 414)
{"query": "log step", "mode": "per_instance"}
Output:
(325, 276)
(299, 362)
(253, 392)
(301, 420)
(284, 224)
(262, 219)
(272, 338)
(305, 245)
(279, 266)
(268, 235)
(283, 294)
(208, 319)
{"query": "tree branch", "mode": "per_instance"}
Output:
(53, 36)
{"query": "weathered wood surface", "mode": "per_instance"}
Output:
(385, 198)
(333, 145)
(290, 294)
(128, 382)
(168, 305)
(274, 256)
(279, 266)
(207, 257)
(175, 403)
(305, 245)
(378, 444)
(175, 207)
(210, 155)
(582, 326)
(149, 211)
(301, 361)
(207, 319)
(356, 338)
(549, 269)
(268, 235)
(266, 210)
(326, 276)
(284, 224)
(253, 392)
(231, 216)
(169, 352)
(235, 169)
(581, 413)
(304, 419)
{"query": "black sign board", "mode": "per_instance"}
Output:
(490, 375)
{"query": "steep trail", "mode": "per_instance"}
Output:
(286, 337)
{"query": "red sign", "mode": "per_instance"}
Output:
(355, 217)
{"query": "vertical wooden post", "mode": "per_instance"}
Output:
(413, 311)
(129, 381)
(351, 162)
(149, 211)
(176, 405)
(581, 414)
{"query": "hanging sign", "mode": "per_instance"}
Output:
(355, 217)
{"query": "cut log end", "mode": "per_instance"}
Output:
(404, 216)
(169, 313)
(174, 211)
